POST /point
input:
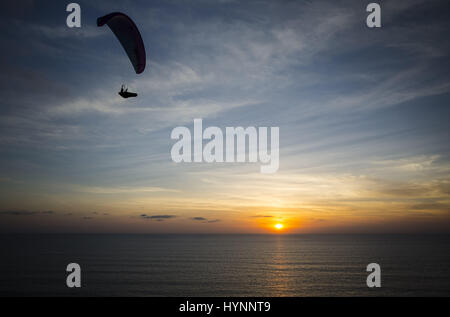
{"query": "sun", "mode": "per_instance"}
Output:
(278, 226)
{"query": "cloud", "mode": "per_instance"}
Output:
(414, 164)
(26, 212)
(157, 217)
(215, 67)
(199, 218)
(262, 216)
(431, 206)
(119, 190)
(205, 220)
(63, 32)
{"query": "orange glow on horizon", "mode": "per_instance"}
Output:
(278, 224)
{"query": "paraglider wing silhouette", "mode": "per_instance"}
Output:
(128, 34)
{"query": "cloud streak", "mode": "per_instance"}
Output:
(26, 212)
(157, 217)
(205, 220)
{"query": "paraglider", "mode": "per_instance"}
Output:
(125, 94)
(130, 38)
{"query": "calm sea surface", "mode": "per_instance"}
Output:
(225, 265)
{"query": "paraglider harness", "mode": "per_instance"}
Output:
(124, 92)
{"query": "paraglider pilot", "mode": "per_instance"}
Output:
(125, 94)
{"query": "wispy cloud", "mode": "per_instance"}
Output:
(26, 212)
(120, 190)
(157, 217)
(205, 220)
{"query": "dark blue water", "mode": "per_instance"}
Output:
(225, 265)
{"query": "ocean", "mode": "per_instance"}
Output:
(224, 265)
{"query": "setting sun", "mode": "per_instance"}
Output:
(278, 226)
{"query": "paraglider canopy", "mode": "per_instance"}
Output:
(128, 34)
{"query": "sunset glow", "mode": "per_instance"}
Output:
(278, 226)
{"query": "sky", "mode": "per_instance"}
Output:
(363, 117)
